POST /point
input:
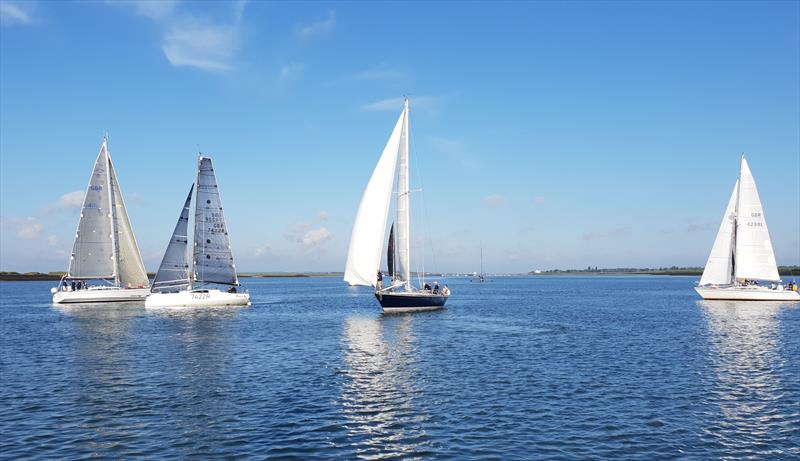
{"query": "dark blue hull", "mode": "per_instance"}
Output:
(412, 301)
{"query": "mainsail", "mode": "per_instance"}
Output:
(93, 250)
(366, 240)
(403, 272)
(754, 256)
(129, 262)
(213, 258)
(719, 268)
(173, 273)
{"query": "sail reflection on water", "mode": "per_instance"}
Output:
(380, 389)
(745, 355)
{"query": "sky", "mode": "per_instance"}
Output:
(549, 134)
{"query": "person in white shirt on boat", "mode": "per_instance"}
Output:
(446, 290)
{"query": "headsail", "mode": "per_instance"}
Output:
(754, 256)
(719, 268)
(366, 240)
(173, 273)
(403, 272)
(213, 258)
(390, 253)
(129, 264)
(93, 250)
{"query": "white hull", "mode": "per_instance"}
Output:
(751, 293)
(100, 295)
(197, 298)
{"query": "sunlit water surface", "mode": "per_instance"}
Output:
(533, 368)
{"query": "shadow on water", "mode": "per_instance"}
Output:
(380, 390)
(744, 350)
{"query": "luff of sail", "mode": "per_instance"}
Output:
(213, 258)
(754, 256)
(173, 273)
(403, 269)
(93, 250)
(369, 229)
(719, 270)
(129, 259)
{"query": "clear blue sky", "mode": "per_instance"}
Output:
(558, 134)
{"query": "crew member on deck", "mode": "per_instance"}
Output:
(380, 280)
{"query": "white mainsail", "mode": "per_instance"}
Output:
(366, 240)
(719, 268)
(129, 260)
(173, 273)
(754, 256)
(403, 272)
(213, 258)
(93, 250)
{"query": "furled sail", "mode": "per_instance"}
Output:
(213, 258)
(93, 250)
(754, 256)
(403, 272)
(129, 264)
(390, 253)
(173, 273)
(369, 229)
(719, 268)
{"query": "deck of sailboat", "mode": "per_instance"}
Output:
(747, 293)
(100, 295)
(197, 298)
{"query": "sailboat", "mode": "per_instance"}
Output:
(105, 250)
(742, 253)
(178, 285)
(369, 229)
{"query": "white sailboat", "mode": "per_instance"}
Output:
(742, 253)
(105, 264)
(369, 230)
(178, 285)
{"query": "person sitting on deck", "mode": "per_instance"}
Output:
(427, 286)
(232, 289)
(445, 290)
(379, 285)
(435, 287)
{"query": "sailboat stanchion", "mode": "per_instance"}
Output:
(369, 229)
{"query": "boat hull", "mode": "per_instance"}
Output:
(197, 298)
(100, 295)
(747, 294)
(410, 302)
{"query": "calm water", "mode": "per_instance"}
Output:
(534, 368)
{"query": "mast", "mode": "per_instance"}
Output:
(735, 228)
(112, 213)
(403, 206)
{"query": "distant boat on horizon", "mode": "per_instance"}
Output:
(369, 230)
(105, 248)
(742, 253)
(178, 285)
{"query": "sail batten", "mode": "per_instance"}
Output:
(173, 273)
(212, 255)
(755, 258)
(369, 229)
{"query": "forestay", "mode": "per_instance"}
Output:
(719, 269)
(366, 240)
(93, 250)
(129, 264)
(173, 273)
(213, 258)
(754, 256)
